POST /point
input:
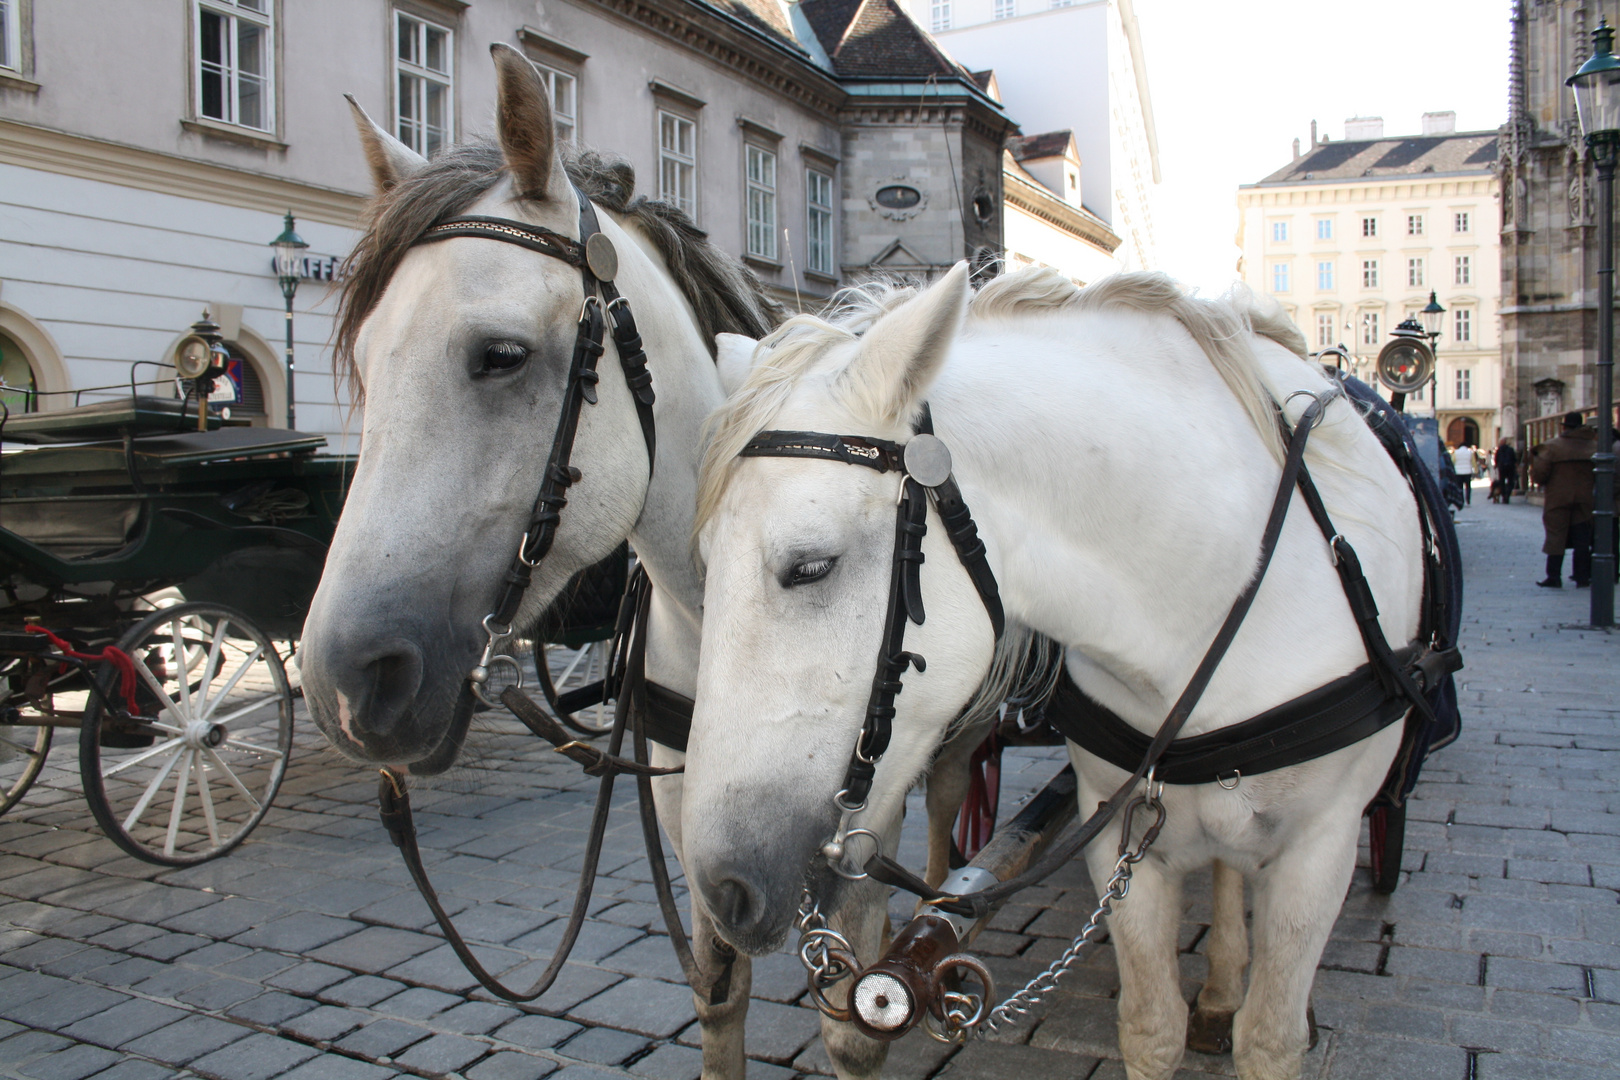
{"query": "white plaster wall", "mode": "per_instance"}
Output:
(1032, 242)
(115, 274)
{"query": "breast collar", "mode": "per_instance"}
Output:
(598, 263)
(925, 463)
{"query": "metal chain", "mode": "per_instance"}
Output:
(1015, 1008)
(824, 952)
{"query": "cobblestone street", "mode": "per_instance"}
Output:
(306, 954)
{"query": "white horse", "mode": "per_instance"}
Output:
(1118, 450)
(461, 347)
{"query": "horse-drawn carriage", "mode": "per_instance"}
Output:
(149, 571)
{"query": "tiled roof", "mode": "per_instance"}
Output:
(763, 15)
(875, 39)
(1466, 151)
(1046, 144)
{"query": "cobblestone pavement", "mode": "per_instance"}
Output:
(305, 954)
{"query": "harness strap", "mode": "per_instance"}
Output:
(964, 537)
(879, 454)
(978, 904)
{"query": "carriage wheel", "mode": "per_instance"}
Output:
(22, 754)
(189, 777)
(580, 666)
(1386, 836)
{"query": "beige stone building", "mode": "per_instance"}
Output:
(1352, 236)
(1548, 223)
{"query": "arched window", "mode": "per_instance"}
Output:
(17, 377)
(249, 390)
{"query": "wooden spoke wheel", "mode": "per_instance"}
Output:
(22, 750)
(194, 769)
(1386, 841)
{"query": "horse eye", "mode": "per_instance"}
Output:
(813, 570)
(504, 355)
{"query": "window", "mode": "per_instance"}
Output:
(1465, 384)
(677, 162)
(1006, 9)
(1279, 277)
(1462, 324)
(819, 221)
(17, 383)
(939, 15)
(1324, 228)
(1463, 270)
(10, 35)
(1414, 271)
(564, 91)
(422, 75)
(1414, 224)
(761, 181)
(1279, 231)
(1460, 222)
(1324, 331)
(233, 62)
(1369, 327)
(1417, 395)
(1324, 275)
(1369, 273)
(1369, 226)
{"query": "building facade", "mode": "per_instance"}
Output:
(816, 143)
(1353, 236)
(1047, 223)
(1548, 221)
(1075, 65)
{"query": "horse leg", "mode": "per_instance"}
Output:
(1297, 898)
(947, 789)
(1152, 1013)
(1227, 948)
(721, 1000)
(863, 921)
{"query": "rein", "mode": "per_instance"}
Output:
(593, 254)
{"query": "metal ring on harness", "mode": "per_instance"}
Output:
(1237, 778)
(843, 856)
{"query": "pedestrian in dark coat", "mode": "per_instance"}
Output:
(1507, 470)
(1563, 467)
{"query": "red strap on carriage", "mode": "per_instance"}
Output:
(977, 819)
(112, 654)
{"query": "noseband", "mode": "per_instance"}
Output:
(598, 263)
(925, 463)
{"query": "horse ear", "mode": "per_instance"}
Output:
(904, 350)
(523, 122)
(391, 160)
(734, 359)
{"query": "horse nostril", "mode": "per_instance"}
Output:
(736, 904)
(393, 680)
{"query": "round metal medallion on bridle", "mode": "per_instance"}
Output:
(601, 258)
(928, 460)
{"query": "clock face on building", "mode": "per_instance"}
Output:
(1405, 364)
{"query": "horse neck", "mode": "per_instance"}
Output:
(1115, 529)
(688, 389)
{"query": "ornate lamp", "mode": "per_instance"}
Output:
(289, 248)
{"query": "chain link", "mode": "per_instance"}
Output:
(825, 954)
(1015, 1008)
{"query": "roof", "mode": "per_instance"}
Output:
(766, 16)
(1045, 145)
(1464, 151)
(875, 39)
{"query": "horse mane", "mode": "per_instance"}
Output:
(724, 295)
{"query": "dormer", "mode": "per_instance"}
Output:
(1052, 158)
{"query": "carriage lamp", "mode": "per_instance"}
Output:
(1597, 104)
(290, 248)
(201, 357)
(1405, 362)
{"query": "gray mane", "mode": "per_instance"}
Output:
(725, 296)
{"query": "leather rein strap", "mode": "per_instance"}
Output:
(978, 904)
(925, 467)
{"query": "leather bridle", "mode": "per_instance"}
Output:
(598, 263)
(925, 465)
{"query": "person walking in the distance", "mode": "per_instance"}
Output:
(1462, 462)
(1563, 467)
(1507, 472)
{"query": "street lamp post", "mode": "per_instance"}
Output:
(289, 248)
(1434, 319)
(1597, 103)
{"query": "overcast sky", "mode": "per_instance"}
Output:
(1234, 84)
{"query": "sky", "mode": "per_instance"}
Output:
(1234, 84)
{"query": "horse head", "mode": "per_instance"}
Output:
(462, 347)
(798, 555)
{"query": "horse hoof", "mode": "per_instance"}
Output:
(1210, 1031)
